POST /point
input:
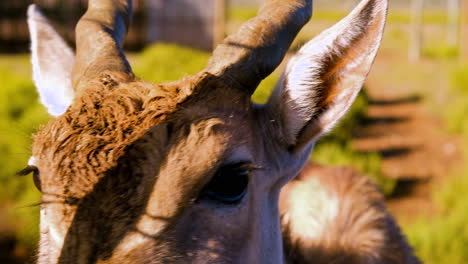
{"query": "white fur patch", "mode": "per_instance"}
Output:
(57, 238)
(313, 210)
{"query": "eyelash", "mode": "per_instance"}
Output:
(243, 169)
(230, 183)
(36, 175)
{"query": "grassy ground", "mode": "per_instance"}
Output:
(443, 238)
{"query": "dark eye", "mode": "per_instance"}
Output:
(229, 184)
(35, 172)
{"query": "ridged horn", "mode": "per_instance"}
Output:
(100, 35)
(258, 47)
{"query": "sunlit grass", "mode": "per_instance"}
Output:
(441, 51)
(168, 62)
(456, 111)
(443, 238)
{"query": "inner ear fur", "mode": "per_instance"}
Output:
(52, 60)
(322, 80)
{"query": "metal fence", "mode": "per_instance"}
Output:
(14, 35)
(197, 23)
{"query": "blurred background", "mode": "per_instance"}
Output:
(407, 129)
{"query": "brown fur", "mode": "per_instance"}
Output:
(362, 231)
(110, 145)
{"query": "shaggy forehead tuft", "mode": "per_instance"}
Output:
(107, 117)
(112, 113)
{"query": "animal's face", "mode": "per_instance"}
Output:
(188, 171)
(144, 173)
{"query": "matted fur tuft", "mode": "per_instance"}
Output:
(107, 117)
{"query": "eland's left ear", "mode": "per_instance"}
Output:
(321, 82)
(52, 61)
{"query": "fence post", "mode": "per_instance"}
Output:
(414, 51)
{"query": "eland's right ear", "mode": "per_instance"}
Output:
(52, 61)
(322, 80)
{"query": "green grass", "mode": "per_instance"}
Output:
(20, 116)
(456, 111)
(441, 51)
(168, 62)
(459, 81)
(443, 238)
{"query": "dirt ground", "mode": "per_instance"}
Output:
(415, 149)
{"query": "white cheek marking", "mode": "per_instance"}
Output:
(49, 229)
(57, 238)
